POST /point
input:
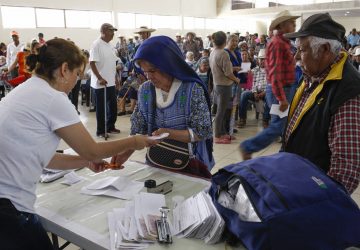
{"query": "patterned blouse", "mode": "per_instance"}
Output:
(200, 120)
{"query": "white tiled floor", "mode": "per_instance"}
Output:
(224, 154)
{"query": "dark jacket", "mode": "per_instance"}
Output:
(310, 137)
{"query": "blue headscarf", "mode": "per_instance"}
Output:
(165, 54)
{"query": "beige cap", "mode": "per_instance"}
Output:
(144, 29)
(281, 17)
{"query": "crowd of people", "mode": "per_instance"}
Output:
(174, 86)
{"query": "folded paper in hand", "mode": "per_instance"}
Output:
(119, 187)
(245, 67)
(275, 110)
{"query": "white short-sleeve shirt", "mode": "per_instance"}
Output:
(11, 52)
(29, 116)
(104, 56)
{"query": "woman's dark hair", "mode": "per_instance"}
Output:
(52, 55)
(219, 38)
(86, 53)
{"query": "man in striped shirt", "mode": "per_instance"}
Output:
(324, 118)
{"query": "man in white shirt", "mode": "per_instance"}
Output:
(12, 50)
(103, 70)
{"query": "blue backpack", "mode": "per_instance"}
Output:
(292, 205)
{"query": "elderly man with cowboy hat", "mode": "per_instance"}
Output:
(257, 93)
(323, 124)
(280, 70)
(144, 33)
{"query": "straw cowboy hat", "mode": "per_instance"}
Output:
(143, 29)
(281, 17)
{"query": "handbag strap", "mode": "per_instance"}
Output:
(152, 110)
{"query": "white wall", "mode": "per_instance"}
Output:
(349, 23)
(84, 37)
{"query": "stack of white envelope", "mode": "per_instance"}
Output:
(197, 217)
(133, 227)
(49, 175)
(120, 187)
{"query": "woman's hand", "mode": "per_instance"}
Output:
(97, 166)
(161, 131)
(142, 141)
(120, 158)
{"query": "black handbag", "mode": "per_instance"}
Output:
(169, 154)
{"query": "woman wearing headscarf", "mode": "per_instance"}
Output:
(174, 100)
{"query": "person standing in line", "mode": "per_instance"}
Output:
(12, 50)
(103, 70)
(222, 71)
(280, 70)
(324, 117)
(41, 39)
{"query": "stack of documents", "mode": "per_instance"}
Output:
(197, 217)
(120, 187)
(133, 227)
(49, 175)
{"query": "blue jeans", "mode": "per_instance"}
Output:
(275, 129)
(245, 97)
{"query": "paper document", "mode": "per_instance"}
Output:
(159, 137)
(72, 178)
(120, 187)
(274, 110)
(49, 175)
(196, 217)
(245, 67)
(133, 226)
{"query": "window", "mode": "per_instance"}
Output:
(49, 18)
(199, 23)
(215, 24)
(126, 21)
(10, 17)
(86, 19)
(166, 22)
(97, 18)
(77, 19)
(142, 20)
(189, 23)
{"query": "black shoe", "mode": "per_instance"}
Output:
(114, 131)
(121, 113)
(102, 135)
(92, 110)
(129, 112)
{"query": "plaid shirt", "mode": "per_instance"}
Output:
(259, 80)
(280, 65)
(343, 135)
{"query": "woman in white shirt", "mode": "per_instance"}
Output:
(33, 119)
